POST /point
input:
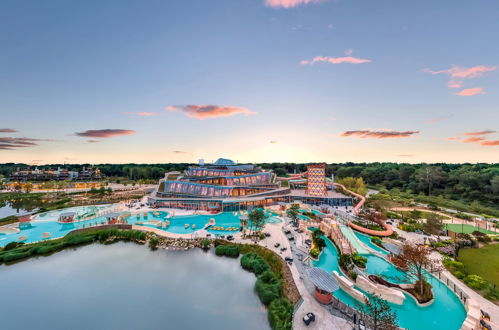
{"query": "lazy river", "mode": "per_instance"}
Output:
(446, 313)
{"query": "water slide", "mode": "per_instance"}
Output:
(354, 241)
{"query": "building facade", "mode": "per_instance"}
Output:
(227, 186)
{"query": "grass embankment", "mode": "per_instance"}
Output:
(483, 262)
(467, 229)
(17, 251)
(274, 285)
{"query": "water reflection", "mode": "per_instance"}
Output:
(126, 286)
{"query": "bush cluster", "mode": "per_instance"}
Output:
(254, 263)
(16, 251)
(227, 250)
(269, 289)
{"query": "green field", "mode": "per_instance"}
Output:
(468, 229)
(483, 262)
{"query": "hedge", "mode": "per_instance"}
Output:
(227, 250)
(254, 263)
(268, 287)
(281, 314)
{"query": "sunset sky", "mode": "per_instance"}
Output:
(251, 80)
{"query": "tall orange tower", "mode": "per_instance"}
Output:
(316, 180)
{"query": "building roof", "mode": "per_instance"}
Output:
(224, 161)
(322, 279)
(113, 215)
(330, 194)
(67, 214)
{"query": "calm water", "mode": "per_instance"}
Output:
(6, 211)
(127, 286)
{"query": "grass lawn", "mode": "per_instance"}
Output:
(467, 229)
(483, 262)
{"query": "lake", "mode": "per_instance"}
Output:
(127, 286)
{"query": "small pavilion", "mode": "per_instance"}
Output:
(66, 217)
(324, 284)
(113, 218)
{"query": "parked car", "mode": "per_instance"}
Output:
(309, 318)
(291, 238)
(267, 234)
(230, 238)
(277, 245)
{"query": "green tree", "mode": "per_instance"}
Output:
(378, 315)
(293, 212)
(433, 224)
(257, 218)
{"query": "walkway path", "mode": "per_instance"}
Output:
(324, 319)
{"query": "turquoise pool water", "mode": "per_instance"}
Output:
(366, 239)
(446, 313)
(303, 217)
(47, 222)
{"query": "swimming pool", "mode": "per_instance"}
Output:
(446, 313)
(225, 223)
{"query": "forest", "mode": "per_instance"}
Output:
(464, 183)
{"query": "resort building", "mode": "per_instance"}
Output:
(59, 174)
(227, 186)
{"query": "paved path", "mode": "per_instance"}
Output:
(324, 319)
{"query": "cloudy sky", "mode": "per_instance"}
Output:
(252, 80)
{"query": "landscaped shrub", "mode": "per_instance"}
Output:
(13, 256)
(459, 275)
(254, 263)
(227, 250)
(359, 260)
(153, 243)
(314, 253)
(453, 265)
(77, 239)
(12, 245)
(377, 240)
(205, 244)
(280, 314)
(268, 287)
(317, 239)
(345, 261)
(475, 282)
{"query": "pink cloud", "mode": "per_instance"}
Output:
(179, 152)
(105, 133)
(209, 111)
(335, 60)
(478, 138)
(490, 143)
(458, 74)
(473, 139)
(378, 134)
(464, 73)
(471, 91)
(93, 141)
(141, 114)
(288, 3)
(479, 133)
